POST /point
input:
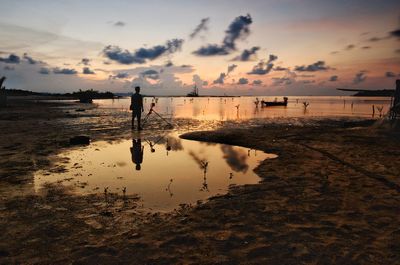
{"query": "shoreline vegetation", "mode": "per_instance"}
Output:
(331, 197)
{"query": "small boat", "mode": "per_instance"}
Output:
(194, 93)
(274, 103)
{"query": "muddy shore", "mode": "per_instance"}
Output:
(331, 197)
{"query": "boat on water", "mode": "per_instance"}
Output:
(274, 103)
(194, 93)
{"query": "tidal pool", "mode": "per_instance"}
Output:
(164, 170)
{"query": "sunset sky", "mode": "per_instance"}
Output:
(297, 47)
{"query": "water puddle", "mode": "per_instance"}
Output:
(164, 170)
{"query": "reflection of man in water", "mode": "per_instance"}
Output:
(137, 152)
(136, 107)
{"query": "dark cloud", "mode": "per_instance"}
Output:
(238, 29)
(119, 24)
(349, 47)
(359, 78)
(152, 74)
(85, 61)
(44, 71)
(231, 68)
(308, 81)
(220, 79)
(272, 58)
(333, 78)
(9, 68)
(243, 81)
(12, 58)
(120, 75)
(334, 52)
(395, 33)
(236, 159)
(397, 51)
(375, 39)
(186, 66)
(366, 47)
(141, 55)
(87, 71)
(212, 49)
(30, 59)
(203, 26)
(247, 55)
(390, 74)
(64, 71)
(257, 82)
(280, 68)
(169, 64)
(317, 66)
(261, 68)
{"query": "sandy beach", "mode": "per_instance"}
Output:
(331, 197)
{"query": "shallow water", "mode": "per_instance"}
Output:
(163, 170)
(242, 108)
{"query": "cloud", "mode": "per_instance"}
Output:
(64, 71)
(280, 68)
(220, 79)
(168, 64)
(186, 66)
(333, 78)
(272, 58)
(236, 159)
(152, 74)
(243, 81)
(359, 78)
(395, 33)
(261, 68)
(120, 75)
(390, 74)
(397, 51)
(203, 26)
(375, 39)
(87, 71)
(30, 59)
(231, 68)
(119, 24)
(257, 82)
(334, 52)
(44, 71)
(288, 79)
(198, 81)
(308, 81)
(317, 66)
(349, 47)
(141, 55)
(238, 29)
(247, 55)
(12, 58)
(366, 47)
(85, 61)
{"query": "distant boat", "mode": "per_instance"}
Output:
(274, 103)
(194, 93)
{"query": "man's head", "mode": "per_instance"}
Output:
(137, 89)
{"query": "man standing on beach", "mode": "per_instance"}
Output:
(136, 107)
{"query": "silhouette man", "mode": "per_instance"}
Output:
(136, 107)
(137, 152)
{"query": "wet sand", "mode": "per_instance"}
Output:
(332, 197)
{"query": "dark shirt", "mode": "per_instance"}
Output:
(137, 102)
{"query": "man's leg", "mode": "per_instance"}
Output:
(133, 121)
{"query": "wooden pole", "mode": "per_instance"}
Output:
(395, 108)
(3, 95)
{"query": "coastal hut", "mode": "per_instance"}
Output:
(395, 106)
(3, 95)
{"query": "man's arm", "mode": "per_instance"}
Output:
(141, 102)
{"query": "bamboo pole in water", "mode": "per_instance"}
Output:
(395, 107)
(3, 95)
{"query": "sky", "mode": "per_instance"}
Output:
(270, 47)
